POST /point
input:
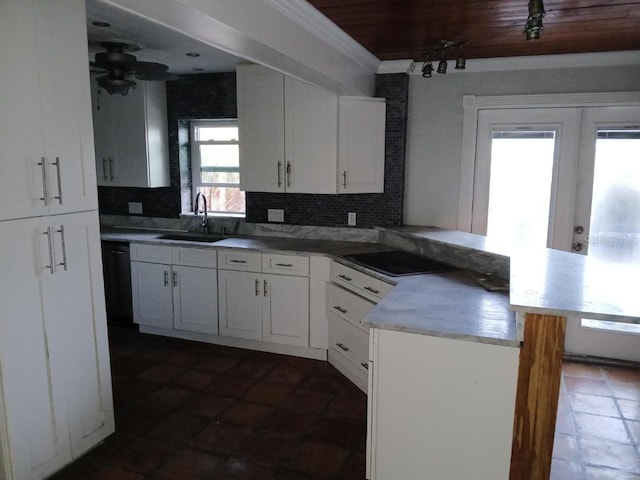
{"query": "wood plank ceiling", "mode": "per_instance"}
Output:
(403, 29)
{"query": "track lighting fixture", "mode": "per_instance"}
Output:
(439, 50)
(534, 26)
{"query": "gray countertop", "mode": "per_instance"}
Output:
(450, 305)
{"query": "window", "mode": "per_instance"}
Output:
(215, 165)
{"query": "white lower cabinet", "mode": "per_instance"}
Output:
(263, 306)
(439, 407)
(169, 292)
(55, 380)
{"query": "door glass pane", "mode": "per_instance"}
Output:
(614, 231)
(520, 187)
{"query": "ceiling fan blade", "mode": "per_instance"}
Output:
(151, 71)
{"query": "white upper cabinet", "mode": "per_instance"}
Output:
(361, 145)
(46, 141)
(131, 135)
(294, 139)
(261, 124)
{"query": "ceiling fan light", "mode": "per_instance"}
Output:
(442, 66)
(115, 85)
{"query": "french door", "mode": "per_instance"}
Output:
(565, 178)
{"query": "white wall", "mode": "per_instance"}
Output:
(434, 135)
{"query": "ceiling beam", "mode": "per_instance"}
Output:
(287, 35)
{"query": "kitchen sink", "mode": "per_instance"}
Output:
(193, 237)
(396, 263)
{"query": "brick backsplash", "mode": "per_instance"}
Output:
(213, 95)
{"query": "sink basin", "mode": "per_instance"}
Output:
(193, 237)
(397, 263)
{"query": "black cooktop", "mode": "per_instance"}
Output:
(397, 263)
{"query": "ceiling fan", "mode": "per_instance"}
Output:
(117, 64)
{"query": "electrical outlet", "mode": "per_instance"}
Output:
(275, 215)
(135, 208)
(351, 218)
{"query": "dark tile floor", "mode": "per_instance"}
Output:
(598, 424)
(187, 410)
(191, 411)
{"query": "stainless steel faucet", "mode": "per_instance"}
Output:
(205, 217)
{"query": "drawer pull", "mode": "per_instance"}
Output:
(284, 265)
(344, 277)
(365, 365)
(340, 309)
(372, 290)
(342, 347)
(237, 261)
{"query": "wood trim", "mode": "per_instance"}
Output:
(537, 396)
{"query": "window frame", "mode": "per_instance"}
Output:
(196, 165)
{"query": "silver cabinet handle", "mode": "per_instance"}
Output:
(288, 174)
(365, 365)
(279, 174)
(111, 169)
(340, 309)
(64, 248)
(51, 266)
(372, 290)
(45, 193)
(257, 287)
(344, 277)
(166, 278)
(342, 347)
(237, 261)
(265, 288)
(174, 275)
(104, 169)
(344, 179)
(284, 265)
(59, 178)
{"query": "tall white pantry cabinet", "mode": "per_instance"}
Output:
(55, 381)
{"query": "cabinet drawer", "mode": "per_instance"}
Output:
(350, 342)
(195, 257)
(240, 260)
(285, 264)
(142, 252)
(348, 305)
(370, 287)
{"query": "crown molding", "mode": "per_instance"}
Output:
(315, 22)
(541, 62)
(396, 66)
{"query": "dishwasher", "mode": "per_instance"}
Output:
(117, 282)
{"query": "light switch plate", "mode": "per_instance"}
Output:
(351, 218)
(135, 208)
(275, 215)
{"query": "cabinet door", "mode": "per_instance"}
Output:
(261, 128)
(102, 133)
(62, 54)
(195, 299)
(152, 294)
(21, 143)
(311, 123)
(285, 317)
(240, 298)
(32, 403)
(361, 145)
(77, 329)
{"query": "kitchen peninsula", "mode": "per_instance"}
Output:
(477, 364)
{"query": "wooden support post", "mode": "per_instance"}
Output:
(537, 397)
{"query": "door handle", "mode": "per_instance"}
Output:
(45, 190)
(265, 288)
(257, 287)
(279, 174)
(166, 278)
(174, 275)
(111, 169)
(59, 179)
(64, 248)
(288, 174)
(104, 169)
(344, 179)
(52, 265)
